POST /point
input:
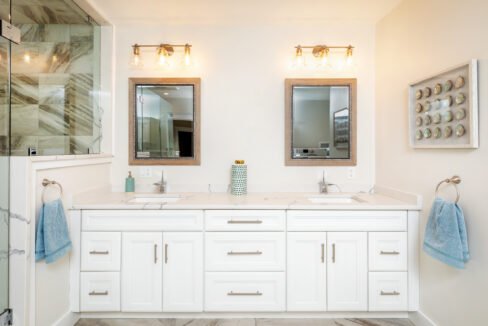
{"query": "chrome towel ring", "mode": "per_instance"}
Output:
(46, 183)
(455, 180)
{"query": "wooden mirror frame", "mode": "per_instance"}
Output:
(195, 160)
(289, 84)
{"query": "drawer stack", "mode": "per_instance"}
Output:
(245, 260)
(100, 271)
(388, 271)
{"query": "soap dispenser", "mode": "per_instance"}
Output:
(130, 183)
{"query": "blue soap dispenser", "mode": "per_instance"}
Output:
(130, 183)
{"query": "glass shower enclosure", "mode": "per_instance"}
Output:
(49, 95)
(4, 170)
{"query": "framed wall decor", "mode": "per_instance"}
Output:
(443, 109)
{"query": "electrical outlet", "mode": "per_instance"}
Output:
(145, 172)
(351, 173)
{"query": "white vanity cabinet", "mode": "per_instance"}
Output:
(242, 260)
(306, 271)
(347, 271)
(183, 271)
(139, 263)
(352, 260)
(142, 272)
(245, 253)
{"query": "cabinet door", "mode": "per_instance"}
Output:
(347, 271)
(306, 267)
(183, 272)
(142, 273)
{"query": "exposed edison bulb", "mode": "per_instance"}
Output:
(136, 56)
(349, 56)
(162, 56)
(324, 60)
(299, 60)
(55, 58)
(27, 57)
(187, 55)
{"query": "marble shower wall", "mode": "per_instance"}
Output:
(54, 83)
(4, 108)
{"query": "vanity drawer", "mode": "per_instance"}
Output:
(100, 251)
(361, 221)
(388, 291)
(100, 291)
(245, 292)
(245, 220)
(387, 251)
(245, 251)
(142, 220)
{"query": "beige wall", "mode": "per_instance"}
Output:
(418, 39)
(243, 68)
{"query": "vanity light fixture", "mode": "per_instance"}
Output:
(164, 53)
(349, 55)
(136, 56)
(321, 53)
(299, 57)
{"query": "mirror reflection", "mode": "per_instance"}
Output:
(321, 122)
(164, 121)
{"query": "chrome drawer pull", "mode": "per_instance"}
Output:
(155, 253)
(322, 256)
(389, 252)
(390, 293)
(257, 252)
(244, 222)
(245, 293)
(98, 293)
(94, 252)
(333, 253)
(166, 253)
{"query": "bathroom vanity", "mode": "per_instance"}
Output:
(274, 253)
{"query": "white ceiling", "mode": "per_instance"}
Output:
(244, 11)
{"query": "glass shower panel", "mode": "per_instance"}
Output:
(55, 80)
(4, 163)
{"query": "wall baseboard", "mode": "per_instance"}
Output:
(420, 319)
(68, 319)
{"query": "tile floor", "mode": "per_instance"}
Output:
(245, 322)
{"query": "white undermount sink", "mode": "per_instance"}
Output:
(334, 199)
(154, 199)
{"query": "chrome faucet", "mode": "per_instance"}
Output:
(161, 184)
(324, 185)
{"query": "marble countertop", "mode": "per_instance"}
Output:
(381, 200)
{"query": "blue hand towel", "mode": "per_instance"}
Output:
(52, 237)
(445, 235)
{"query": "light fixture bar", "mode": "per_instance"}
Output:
(160, 45)
(325, 46)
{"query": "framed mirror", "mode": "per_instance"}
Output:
(164, 121)
(320, 122)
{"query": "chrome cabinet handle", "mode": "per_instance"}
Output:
(166, 253)
(155, 253)
(257, 252)
(333, 253)
(98, 293)
(244, 222)
(389, 252)
(257, 293)
(322, 257)
(94, 252)
(389, 293)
